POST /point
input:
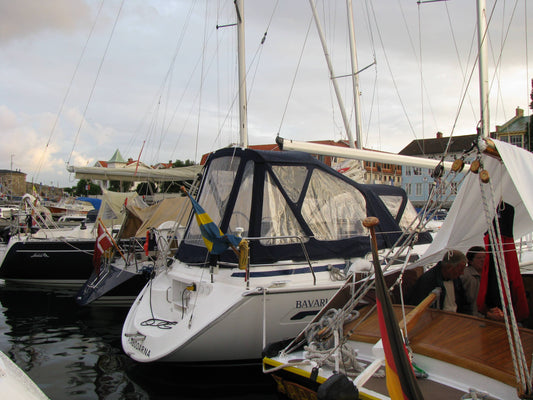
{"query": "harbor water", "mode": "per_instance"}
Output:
(74, 353)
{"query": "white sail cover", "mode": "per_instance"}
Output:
(511, 182)
(137, 175)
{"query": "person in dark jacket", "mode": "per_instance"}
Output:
(445, 275)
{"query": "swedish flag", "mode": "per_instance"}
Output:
(215, 240)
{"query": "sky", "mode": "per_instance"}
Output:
(157, 80)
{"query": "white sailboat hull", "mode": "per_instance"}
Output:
(224, 321)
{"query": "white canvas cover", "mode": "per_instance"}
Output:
(110, 211)
(511, 180)
(169, 209)
(141, 174)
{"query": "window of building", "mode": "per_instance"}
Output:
(516, 140)
(408, 189)
(418, 189)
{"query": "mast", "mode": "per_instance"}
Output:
(483, 74)
(243, 114)
(332, 75)
(355, 76)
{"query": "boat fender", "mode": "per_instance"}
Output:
(337, 387)
(273, 349)
(149, 245)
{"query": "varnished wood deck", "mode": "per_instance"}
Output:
(476, 344)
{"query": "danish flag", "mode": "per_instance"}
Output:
(103, 242)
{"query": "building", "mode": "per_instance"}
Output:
(117, 161)
(12, 183)
(418, 182)
(515, 131)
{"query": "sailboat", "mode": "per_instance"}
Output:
(149, 236)
(461, 352)
(300, 239)
(453, 355)
(57, 257)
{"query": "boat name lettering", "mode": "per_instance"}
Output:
(40, 255)
(312, 303)
(139, 347)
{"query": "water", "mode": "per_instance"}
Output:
(74, 353)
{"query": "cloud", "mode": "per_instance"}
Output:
(142, 86)
(24, 18)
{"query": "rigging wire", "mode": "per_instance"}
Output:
(294, 76)
(375, 92)
(387, 62)
(259, 49)
(158, 97)
(500, 54)
(96, 78)
(202, 71)
(68, 90)
(257, 53)
(421, 67)
(471, 50)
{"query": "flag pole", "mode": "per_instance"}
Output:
(400, 378)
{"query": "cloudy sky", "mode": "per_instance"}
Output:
(82, 78)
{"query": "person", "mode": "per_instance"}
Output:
(489, 300)
(471, 277)
(444, 275)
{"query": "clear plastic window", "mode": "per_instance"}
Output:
(277, 217)
(292, 179)
(409, 215)
(214, 198)
(333, 209)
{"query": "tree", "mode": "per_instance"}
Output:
(179, 163)
(120, 186)
(146, 188)
(174, 187)
(86, 187)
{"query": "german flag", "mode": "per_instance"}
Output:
(400, 377)
(215, 240)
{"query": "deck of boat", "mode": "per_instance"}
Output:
(473, 343)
